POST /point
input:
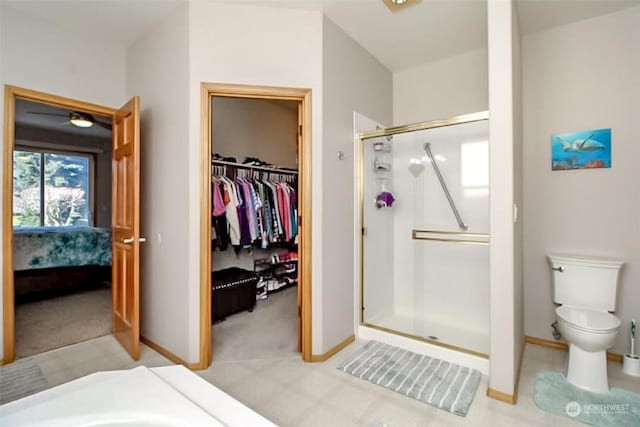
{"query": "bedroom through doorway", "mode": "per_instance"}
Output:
(61, 220)
(63, 232)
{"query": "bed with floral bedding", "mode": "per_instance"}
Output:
(49, 260)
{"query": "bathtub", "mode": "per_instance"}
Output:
(161, 397)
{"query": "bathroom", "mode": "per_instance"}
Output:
(558, 88)
(582, 212)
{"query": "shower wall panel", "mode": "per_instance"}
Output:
(378, 241)
(444, 280)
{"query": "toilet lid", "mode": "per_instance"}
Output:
(588, 320)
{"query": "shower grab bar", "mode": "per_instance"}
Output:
(467, 238)
(461, 224)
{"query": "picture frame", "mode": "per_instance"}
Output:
(587, 149)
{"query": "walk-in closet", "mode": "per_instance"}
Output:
(254, 228)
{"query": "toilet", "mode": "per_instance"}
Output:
(586, 290)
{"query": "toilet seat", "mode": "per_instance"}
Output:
(592, 321)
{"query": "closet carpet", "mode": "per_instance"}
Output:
(57, 322)
(270, 331)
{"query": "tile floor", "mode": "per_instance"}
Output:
(292, 393)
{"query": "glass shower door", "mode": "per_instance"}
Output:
(425, 253)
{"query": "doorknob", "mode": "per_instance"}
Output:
(132, 239)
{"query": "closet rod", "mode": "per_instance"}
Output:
(262, 168)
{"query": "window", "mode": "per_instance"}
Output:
(474, 168)
(51, 189)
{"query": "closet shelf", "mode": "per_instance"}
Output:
(253, 167)
(276, 274)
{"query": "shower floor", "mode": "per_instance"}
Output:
(431, 327)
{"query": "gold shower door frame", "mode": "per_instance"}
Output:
(415, 127)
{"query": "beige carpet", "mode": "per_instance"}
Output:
(57, 322)
(271, 330)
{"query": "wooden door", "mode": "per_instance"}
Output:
(126, 227)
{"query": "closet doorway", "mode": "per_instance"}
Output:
(118, 235)
(257, 137)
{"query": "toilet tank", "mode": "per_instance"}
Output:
(585, 282)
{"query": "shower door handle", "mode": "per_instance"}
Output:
(560, 269)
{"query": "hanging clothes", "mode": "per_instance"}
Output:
(253, 210)
(231, 211)
(219, 232)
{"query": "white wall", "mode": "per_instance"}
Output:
(352, 80)
(518, 235)
(502, 356)
(39, 56)
(441, 89)
(584, 75)
(255, 46)
(36, 55)
(266, 129)
(158, 71)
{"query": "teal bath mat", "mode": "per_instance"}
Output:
(437, 382)
(618, 408)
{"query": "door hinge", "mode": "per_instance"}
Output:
(299, 311)
(299, 220)
(299, 130)
(364, 231)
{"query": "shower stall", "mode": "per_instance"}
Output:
(424, 205)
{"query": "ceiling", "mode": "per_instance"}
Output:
(427, 31)
(434, 29)
(29, 115)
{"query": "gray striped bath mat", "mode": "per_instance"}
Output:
(439, 383)
(20, 379)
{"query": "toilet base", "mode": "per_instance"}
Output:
(588, 370)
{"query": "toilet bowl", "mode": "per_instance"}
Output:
(589, 334)
(586, 289)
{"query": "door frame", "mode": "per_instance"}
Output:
(11, 94)
(303, 96)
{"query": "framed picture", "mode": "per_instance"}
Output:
(586, 149)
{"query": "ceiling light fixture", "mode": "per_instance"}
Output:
(81, 120)
(396, 5)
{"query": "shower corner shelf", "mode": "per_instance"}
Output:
(381, 166)
(382, 147)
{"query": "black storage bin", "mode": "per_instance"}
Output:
(233, 290)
